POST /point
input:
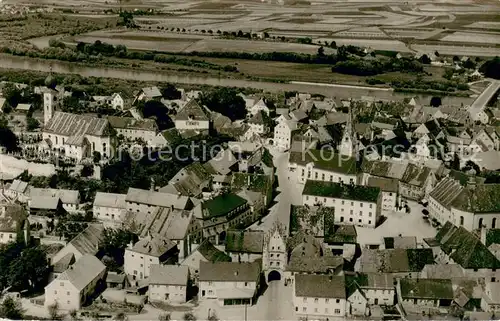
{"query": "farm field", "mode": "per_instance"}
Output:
(473, 37)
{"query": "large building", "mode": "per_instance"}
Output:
(168, 283)
(356, 205)
(283, 132)
(192, 118)
(109, 208)
(134, 130)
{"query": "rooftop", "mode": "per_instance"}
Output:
(395, 260)
(244, 241)
(192, 111)
(325, 160)
(222, 205)
(342, 191)
(169, 274)
(87, 242)
(430, 289)
(65, 195)
(132, 123)
(110, 200)
(75, 125)
(481, 198)
(156, 246)
(320, 286)
(385, 184)
(230, 271)
(84, 271)
(135, 195)
(211, 253)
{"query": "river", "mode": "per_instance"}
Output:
(329, 90)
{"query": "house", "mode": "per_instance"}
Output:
(357, 303)
(341, 240)
(323, 165)
(178, 226)
(244, 246)
(258, 107)
(23, 108)
(319, 296)
(223, 163)
(423, 294)
(85, 243)
(77, 136)
(116, 281)
(473, 206)
(231, 283)
(354, 204)
(168, 283)
(77, 285)
(456, 245)
(148, 93)
(12, 222)
(443, 271)
(257, 124)
(406, 263)
(145, 201)
(50, 206)
(70, 199)
(222, 213)
(377, 288)
(133, 130)
(148, 251)
(389, 191)
(109, 208)
(490, 301)
(192, 118)
(283, 132)
(248, 154)
(400, 242)
(190, 181)
(120, 101)
(205, 252)
(168, 137)
(18, 190)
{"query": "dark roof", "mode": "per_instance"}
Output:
(343, 191)
(415, 175)
(426, 289)
(230, 271)
(320, 286)
(192, 111)
(307, 264)
(446, 191)
(481, 198)
(396, 260)
(341, 234)
(211, 253)
(132, 123)
(326, 160)
(385, 184)
(222, 205)
(465, 248)
(244, 241)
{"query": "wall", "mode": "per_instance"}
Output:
(244, 257)
(389, 201)
(192, 125)
(309, 172)
(137, 264)
(208, 290)
(64, 293)
(383, 296)
(176, 293)
(110, 216)
(6, 237)
(312, 307)
(358, 213)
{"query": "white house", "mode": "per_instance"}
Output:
(76, 285)
(148, 251)
(192, 117)
(135, 130)
(146, 201)
(205, 252)
(417, 295)
(283, 132)
(120, 101)
(258, 107)
(319, 296)
(18, 190)
(354, 204)
(490, 300)
(257, 125)
(149, 93)
(12, 219)
(323, 165)
(230, 283)
(168, 283)
(389, 191)
(109, 208)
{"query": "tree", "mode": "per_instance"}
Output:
(436, 53)
(226, 101)
(491, 68)
(11, 309)
(32, 123)
(8, 139)
(333, 45)
(120, 316)
(469, 64)
(436, 101)
(321, 51)
(54, 311)
(188, 316)
(96, 157)
(113, 245)
(30, 270)
(170, 92)
(164, 317)
(73, 314)
(425, 59)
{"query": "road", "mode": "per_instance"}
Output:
(486, 95)
(289, 193)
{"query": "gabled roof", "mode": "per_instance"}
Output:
(155, 246)
(230, 271)
(211, 253)
(482, 198)
(385, 184)
(222, 205)
(430, 289)
(84, 271)
(110, 200)
(87, 242)
(446, 191)
(189, 181)
(223, 161)
(65, 195)
(343, 191)
(168, 275)
(320, 286)
(18, 186)
(416, 175)
(132, 123)
(141, 196)
(395, 260)
(244, 241)
(151, 92)
(192, 111)
(74, 125)
(325, 160)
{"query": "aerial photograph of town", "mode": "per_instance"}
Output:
(240, 160)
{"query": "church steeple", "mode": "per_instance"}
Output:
(348, 144)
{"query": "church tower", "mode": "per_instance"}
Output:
(274, 253)
(348, 144)
(48, 105)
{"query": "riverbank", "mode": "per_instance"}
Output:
(332, 90)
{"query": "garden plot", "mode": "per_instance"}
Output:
(375, 44)
(481, 51)
(413, 33)
(470, 37)
(224, 45)
(368, 32)
(484, 25)
(159, 44)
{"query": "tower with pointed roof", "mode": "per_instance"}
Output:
(274, 253)
(348, 144)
